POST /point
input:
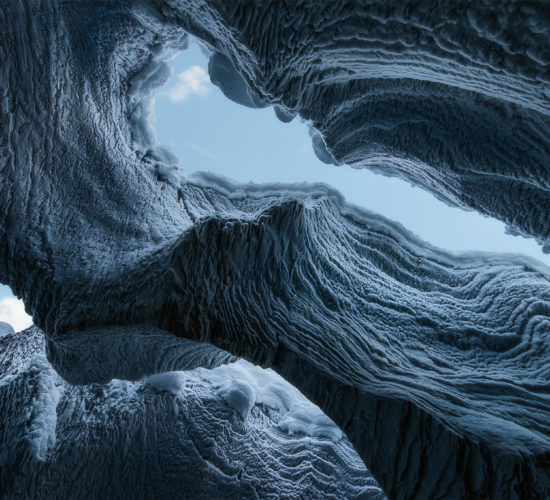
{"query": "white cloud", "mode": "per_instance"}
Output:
(193, 81)
(12, 311)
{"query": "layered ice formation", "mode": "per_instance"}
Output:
(434, 365)
(156, 437)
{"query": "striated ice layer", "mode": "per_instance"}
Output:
(435, 365)
(453, 97)
(149, 440)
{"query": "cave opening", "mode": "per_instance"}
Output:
(12, 312)
(138, 269)
(210, 133)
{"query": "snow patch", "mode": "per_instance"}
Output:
(173, 382)
(240, 396)
(242, 385)
(6, 329)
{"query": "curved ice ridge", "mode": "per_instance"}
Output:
(451, 96)
(169, 438)
(435, 365)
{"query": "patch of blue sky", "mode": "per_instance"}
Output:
(210, 133)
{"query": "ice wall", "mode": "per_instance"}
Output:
(169, 438)
(452, 96)
(435, 365)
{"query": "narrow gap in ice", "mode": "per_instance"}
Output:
(210, 133)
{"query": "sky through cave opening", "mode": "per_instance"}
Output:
(210, 133)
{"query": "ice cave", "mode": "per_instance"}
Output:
(199, 337)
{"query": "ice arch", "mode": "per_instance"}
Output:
(167, 436)
(435, 365)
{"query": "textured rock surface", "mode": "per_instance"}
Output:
(137, 440)
(435, 365)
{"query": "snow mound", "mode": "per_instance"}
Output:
(240, 396)
(242, 385)
(173, 382)
(6, 329)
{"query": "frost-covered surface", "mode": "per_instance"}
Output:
(149, 439)
(129, 353)
(242, 385)
(452, 96)
(435, 365)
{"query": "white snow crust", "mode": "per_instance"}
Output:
(243, 385)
